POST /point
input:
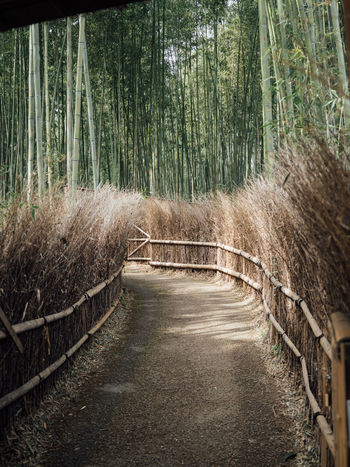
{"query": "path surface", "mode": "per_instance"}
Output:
(187, 387)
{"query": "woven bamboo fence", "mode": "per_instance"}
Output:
(33, 353)
(239, 265)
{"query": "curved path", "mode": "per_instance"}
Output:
(187, 387)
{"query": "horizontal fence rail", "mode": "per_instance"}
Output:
(36, 380)
(318, 334)
(39, 322)
(20, 328)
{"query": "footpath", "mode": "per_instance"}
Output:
(188, 386)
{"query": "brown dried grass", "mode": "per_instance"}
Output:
(48, 261)
(298, 224)
(179, 220)
(51, 255)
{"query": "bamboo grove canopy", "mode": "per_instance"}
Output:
(15, 13)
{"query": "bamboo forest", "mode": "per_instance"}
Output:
(169, 97)
(174, 233)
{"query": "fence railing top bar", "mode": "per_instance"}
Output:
(183, 242)
(12, 396)
(38, 322)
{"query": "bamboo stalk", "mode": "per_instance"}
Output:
(19, 392)
(139, 259)
(90, 115)
(11, 331)
(316, 330)
(280, 329)
(183, 265)
(53, 367)
(77, 111)
(321, 419)
(69, 102)
(211, 267)
(140, 230)
(183, 242)
(37, 105)
(239, 275)
(77, 346)
(26, 326)
(291, 346)
(136, 240)
(265, 84)
(327, 432)
(104, 319)
(139, 247)
(31, 119)
(346, 8)
(47, 111)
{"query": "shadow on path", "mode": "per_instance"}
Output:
(186, 387)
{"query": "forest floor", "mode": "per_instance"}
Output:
(189, 383)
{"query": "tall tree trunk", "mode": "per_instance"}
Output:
(47, 111)
(346, 8)
(341, 63)
(266, 85)
(30, 116)
(69, 119)
(38, 113)
(90, 115)
(77, 111)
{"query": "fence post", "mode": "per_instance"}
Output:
(340, 328)
(218, 257)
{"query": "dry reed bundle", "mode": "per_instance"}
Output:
(298, 224)
(178, 220)
(165, 219)
(50, 259)
(48, 262)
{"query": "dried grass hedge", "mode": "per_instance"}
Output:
(50, 256)
(298, 224)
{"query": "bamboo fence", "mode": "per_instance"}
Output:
(325, 345)
(49, 342)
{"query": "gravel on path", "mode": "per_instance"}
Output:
(188, 386)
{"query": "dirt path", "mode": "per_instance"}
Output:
(188, 386)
